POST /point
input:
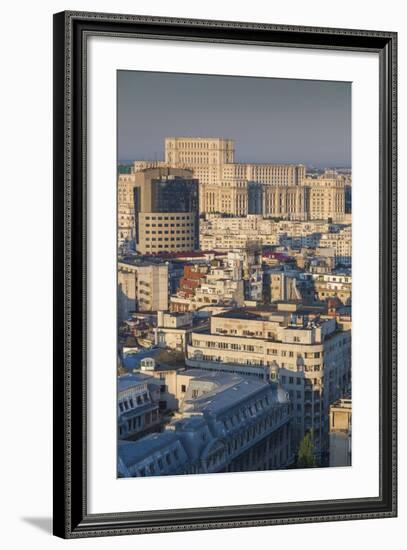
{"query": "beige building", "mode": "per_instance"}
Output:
(340, 433)
(158, 210)
(141, 287)
(125, 210)
(223, 182)
(219, 233)
(333, 286)
(283, 287)
(284, 189)
(173, 330)
(306, 352)
(166, 232)
(286, 201)
(341, 243)
(326, 198)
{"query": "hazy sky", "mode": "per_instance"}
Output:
(271, 120)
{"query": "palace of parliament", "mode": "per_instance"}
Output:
(238, 189)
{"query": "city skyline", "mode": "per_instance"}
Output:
(295, 121)
(234, 279)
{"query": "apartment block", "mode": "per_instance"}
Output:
(141, 287)
(304, 350)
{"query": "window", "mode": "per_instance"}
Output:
(183, 388)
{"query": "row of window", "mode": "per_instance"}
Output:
(132, 402)
(165, 218)
(167, 232)
(170, 239)
(170, 247)
(158, 465)
(248, 347)
(169, 224)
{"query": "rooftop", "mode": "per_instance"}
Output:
(238, 313)
(135, 451)
(226, 396)
(126, 381)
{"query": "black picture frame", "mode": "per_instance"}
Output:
(71, 518)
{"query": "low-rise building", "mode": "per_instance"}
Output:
(340, 433)
(173, 330)
(228, 424)
(137, 405)
(333, 285)
(341, 242)
(141, 287)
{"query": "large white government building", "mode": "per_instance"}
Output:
(238, 189)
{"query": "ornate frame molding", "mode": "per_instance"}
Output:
(71, 30)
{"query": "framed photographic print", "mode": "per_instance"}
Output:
(225, 274)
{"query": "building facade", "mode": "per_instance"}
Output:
(238, 189)
(227, 424)
(141, 287)
(137, 406)
(309, 354)
(340, 433)
(158, 210)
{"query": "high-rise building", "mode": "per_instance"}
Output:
(165, 207)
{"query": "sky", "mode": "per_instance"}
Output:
(270, 119)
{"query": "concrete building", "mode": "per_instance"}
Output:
(137, 406)
(326, 197)
(333, 285)
(159, 207)
(173, 330)
(289, 285)
(238, 189)
(227, 424)
(341, 243)
(223, 182)
(307, 352)
(286, 201)
(340, 433)
(141, 287)
(218, 232)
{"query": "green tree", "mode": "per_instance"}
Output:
(306, 458)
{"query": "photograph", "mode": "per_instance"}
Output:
(234, 274)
